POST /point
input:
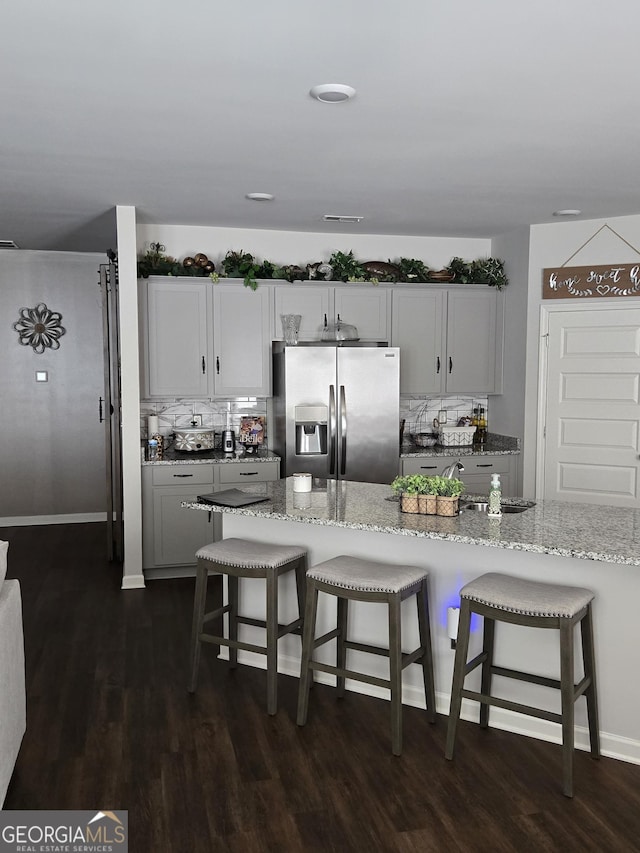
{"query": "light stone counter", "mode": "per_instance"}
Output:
(605, 534)
(597, 547)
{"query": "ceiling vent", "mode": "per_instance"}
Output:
(333, 217)
(8, 244)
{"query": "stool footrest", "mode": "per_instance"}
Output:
(508, 705)
(213, 614)
(290, 628)
(529, 677)
(348, 673)
(232, 644)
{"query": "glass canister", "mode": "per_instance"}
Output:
(291, 328)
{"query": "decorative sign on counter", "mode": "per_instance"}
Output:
(591, 282)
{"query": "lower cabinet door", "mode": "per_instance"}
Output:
(173, 534)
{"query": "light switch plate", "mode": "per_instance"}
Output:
(42, 375)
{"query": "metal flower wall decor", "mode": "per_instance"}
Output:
(39, 328)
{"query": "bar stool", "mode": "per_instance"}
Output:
(353, 579)
(242, 558)
(504, 598)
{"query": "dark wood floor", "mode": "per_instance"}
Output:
(111, 725)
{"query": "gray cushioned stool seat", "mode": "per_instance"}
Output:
(244, 558)
(505, 598)
(247, 554)
(352, 578)
(532, 598)
(366, 575)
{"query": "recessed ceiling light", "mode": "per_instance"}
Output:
(260, 196)
(332, 93)
(567, 212)
(335, 217)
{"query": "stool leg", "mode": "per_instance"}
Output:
(567, 692)
(199, 600)
(489, 630)
(591, 693)
(341, 649)
(424, 627)
(308, 638)
(462, 648)
(232, 584)
(272, 642)
(395, 667)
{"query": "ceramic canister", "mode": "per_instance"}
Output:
(302, 482)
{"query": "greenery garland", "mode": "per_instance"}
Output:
(341, 266)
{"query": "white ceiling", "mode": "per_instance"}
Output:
(470, 118)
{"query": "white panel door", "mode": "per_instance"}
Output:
(593, 407)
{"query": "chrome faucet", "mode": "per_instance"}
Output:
(452, 469)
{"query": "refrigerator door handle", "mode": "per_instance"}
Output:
(343, 431)
(332, 430)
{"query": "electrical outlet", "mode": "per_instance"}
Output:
(197, 420)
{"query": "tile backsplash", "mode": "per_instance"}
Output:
(419, 412)
(173, 414)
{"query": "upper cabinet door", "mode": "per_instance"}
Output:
(311, 301)
(418, 320)
(366, 307)
(175, 354)
(450, 339)
(241, 341)
(474, 341)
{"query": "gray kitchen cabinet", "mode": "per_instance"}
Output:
(171, 534)
(362, 305)
(175, 352)
(241, 340)
(450, 339)
(477, 470)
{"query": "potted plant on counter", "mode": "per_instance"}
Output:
(428, 496)
(449, 491)
(408, 487)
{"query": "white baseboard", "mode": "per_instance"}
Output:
(611, 746)
(71, 518)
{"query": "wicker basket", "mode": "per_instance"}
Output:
(456, 436)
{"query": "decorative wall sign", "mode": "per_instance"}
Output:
(39, 328)
(591, 282)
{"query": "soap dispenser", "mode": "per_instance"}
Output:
(495, 495)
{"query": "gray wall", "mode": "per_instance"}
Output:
(52, 445)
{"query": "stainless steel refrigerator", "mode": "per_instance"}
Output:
(337, 410)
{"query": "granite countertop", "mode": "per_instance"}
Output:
(584, 531)
(185, 457)
(495, 445)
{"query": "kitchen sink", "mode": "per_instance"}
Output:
(483, 506)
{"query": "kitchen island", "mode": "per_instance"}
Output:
(584, 545)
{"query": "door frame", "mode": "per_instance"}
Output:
(543, 352)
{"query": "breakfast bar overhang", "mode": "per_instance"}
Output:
(557, 542)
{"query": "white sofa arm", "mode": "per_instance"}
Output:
(13, 703)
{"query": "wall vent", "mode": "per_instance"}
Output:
(334, 217)
(8, 244)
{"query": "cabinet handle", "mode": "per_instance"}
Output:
(438, 365)
(484, 464)
(183, 475)
(204, 368)
(450, 364)
(247, 473)
(427, 467)
(218, 365)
